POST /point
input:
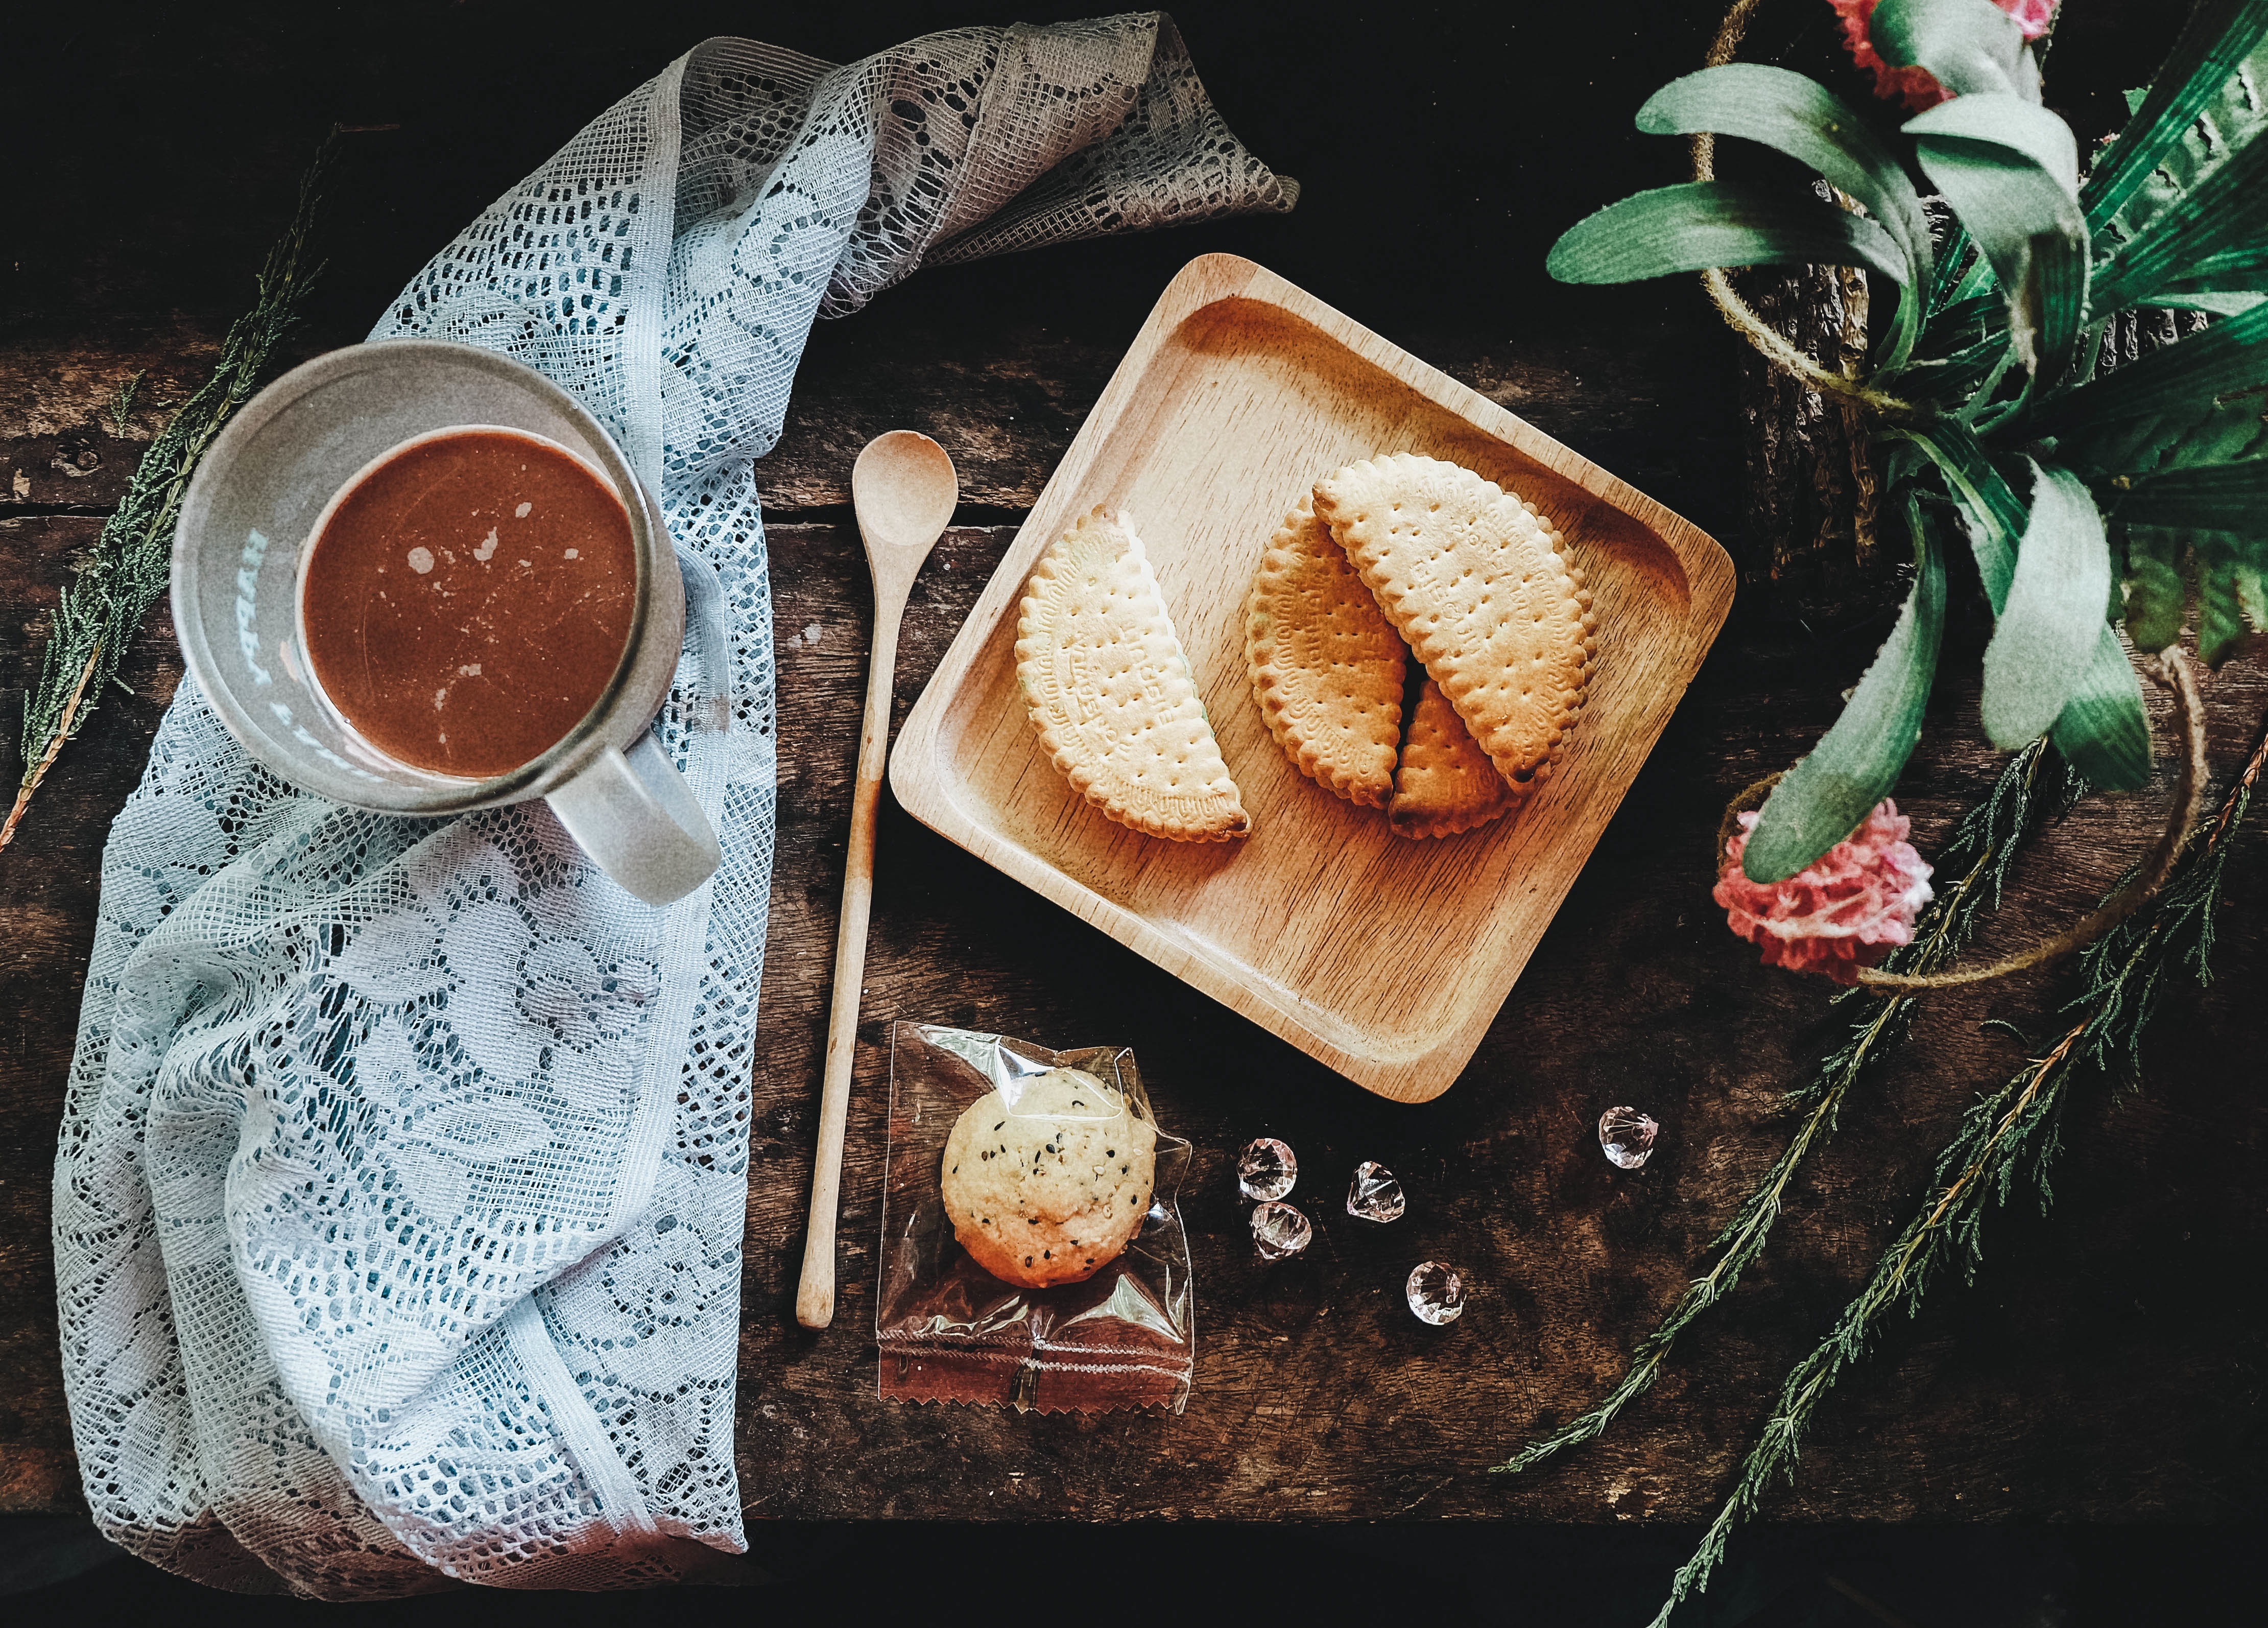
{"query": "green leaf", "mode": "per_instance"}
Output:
(2198, 71)
(1975, 281)
(2252, 596)
(2155, 593)
(2059, 263)
(1997, 519)
(2238, 271)
(1954, 258)
(1971, 46)
(1801, 118)
(2009, 171)
(2202, 117)
(1949, 382)
(2229, 304)
(1822, 800)
(1970, 321)
(2222, 581)
(2227, 358)
(1704, 225)
(2007, 121)
(1798, 116)
(2021, 219)
(2213, 431)
(2227, 211)
(2231, 597)
(2045, 639)
(2103, 731)
(2224, 497)
(1901, 462)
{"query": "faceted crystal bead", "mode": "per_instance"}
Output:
(1375, 1195)
(1436, 1294)
(1278, 1231)
(1627, 1135)
(1267, 1170)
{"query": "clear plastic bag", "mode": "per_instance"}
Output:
(950, 1331)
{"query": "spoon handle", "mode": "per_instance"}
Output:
(814, 1295)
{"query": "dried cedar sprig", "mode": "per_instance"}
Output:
(121, 410)
(2007, 1138)
(99, 613)
(1983, 844)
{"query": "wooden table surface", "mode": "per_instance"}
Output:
(2105, 1367)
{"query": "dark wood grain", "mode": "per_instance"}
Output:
(1008, 393)
(2089, 1375)
(2103, 1368)
(2077, 1381)
(2096, 1372)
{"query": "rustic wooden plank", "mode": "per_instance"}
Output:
(1004, 393)
(62, 443)
(2069, 1384)
(2103, 1368)
(2078, 1380)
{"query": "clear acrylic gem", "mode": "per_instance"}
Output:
(1278, 1231)
(1627, 1135)
(1375, 1195)
(1436, 1294)
(1267, 1171)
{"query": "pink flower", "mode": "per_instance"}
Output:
(1917, 86)
(1852, 907)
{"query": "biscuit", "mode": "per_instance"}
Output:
(1049, 1189)
(1445, 784)
(1479, 584)
(1326, 669)
(1108, 688)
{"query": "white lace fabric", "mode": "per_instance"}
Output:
(400, 1185)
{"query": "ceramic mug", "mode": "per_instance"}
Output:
(246, 525)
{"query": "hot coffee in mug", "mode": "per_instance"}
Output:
(466, 598)
(419, 577)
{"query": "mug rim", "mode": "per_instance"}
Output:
(590, 717)
(564, 758)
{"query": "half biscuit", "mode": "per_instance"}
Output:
(1108, 686)
(1479, 583)
(1327, 670)
(1445, 784)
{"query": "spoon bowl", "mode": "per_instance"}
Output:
(904, 489)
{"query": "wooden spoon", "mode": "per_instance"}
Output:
(904, 489)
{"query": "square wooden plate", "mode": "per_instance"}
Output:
(1385, 958)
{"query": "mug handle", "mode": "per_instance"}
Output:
(637, 818)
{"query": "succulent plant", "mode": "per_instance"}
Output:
(2087, 498)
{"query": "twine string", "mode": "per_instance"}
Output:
(1769, 343)
(1746, 798)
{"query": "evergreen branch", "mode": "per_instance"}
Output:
(98, 614)
(121, 410)
(2014, 1133)
(1986, 840)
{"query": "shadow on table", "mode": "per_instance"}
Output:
(57, 1570)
